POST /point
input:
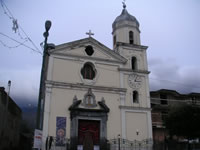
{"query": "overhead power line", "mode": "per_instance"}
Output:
(16, 26)
(19, 43)
(5, 45)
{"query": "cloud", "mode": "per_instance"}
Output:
(24, 84)
(166, 74)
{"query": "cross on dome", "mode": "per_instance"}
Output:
(89, 33)
(124, 5)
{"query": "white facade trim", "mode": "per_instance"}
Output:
(123, 119)
(50, 68)
(147, 92)
(81, 86)
(122, 95)
(122, 102)
(82, 60)
(65, 56)
(46, 115)
(149, 122)
(47, 103)
(147, 111)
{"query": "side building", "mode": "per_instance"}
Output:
(161, 102)
(11, 116)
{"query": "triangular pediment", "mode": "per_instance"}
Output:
(78, 49)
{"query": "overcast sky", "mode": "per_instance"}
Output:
(170, 28)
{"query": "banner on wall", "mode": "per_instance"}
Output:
(60, 131)
(37, 139)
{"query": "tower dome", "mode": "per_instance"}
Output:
(124, 16)
(126, 28)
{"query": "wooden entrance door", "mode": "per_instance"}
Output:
(88, 133)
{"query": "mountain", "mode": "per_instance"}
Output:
(29, 115)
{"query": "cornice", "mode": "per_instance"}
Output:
(56, 84)
(82, 42)
(135, 108)
(125, 25)
(141, 47)
(87, 57)
(135, 71)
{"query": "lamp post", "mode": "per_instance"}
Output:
(119, 141)
(43, 77)
(7, 103)
(9, 85)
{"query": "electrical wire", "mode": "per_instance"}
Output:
(29, 38)
(5, 45)
(10, 16)
(5, 12)
(20, 43)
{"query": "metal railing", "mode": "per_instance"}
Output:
(124, 144)
(112, 144)
(53, 144)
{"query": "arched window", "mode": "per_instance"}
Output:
(131, 40)
(134, 63)
(135, 97)
(88, 71)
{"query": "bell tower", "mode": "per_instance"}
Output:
(133, 76)
(125, 29)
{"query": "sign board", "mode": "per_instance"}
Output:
(60, 131)
(37, 139)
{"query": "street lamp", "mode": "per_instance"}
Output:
(46, 33)
(7, 103)
(47, 25)
(43, 76)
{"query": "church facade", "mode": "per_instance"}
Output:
(95, 94)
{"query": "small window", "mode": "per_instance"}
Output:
(135, 97)
(114, 39)
(88, 71)
(194, 100)
(163, 98)
(89, 50)
(164, 115)
(134, 63)
(131, 41)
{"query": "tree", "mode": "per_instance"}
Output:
(184, 121)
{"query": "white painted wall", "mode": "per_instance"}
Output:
(64, 70)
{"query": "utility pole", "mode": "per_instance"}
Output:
(7, 104)
(43, 77)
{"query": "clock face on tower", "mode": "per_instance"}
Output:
(134, 81)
